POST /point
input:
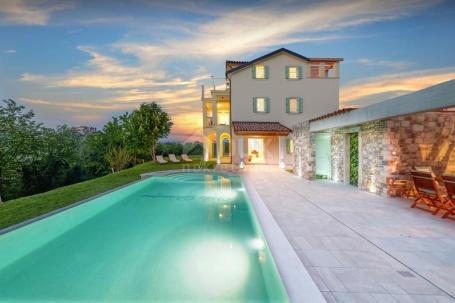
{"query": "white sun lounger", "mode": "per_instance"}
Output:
(160, 159)
(186, 158)
(172, 158)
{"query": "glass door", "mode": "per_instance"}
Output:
(256, 150)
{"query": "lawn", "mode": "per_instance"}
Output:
(25, 208)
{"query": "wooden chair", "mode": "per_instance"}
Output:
(449, 183)
(427, 192)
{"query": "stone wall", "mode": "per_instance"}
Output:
(304, 151)
(425, 139)
(373, 157)
(387, 148)
(338, 156)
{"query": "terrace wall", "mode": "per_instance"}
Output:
(387, 149)
(304, 151)
(424, 139)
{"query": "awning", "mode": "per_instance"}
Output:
(260, 128)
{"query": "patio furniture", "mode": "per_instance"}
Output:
(427, 169)
(399, 187)
(449, 182)
(172, 158)
(186, 158)
(160, 159)
(427, 192)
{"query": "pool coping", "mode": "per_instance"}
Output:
(64, 208)
(298, 282)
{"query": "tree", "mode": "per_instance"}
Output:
(20, 144)
(147, 125)
(118, 158)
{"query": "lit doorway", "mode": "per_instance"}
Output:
(256, 150)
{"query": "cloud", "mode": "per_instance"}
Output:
(379, 88)
(256, 28)
(124, 85)
(385, 63)
(30, 12)
(10, 51)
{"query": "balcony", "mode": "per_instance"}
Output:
(208, 122)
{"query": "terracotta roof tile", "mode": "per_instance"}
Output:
(335, 113)
(260, 127)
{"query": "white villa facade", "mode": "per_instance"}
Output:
(250, 121)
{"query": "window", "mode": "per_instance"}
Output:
(261, 104)
(289, 146)
(260, 72)
(293, 72)
(226, 147)
(294, 105)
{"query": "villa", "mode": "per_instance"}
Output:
(250, 121)
(283, 109)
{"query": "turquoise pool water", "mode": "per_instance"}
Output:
(186, 237)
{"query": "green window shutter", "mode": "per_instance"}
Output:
(300, 73)
(267, 105)
(253, 72)
(255, 105)
(266, 69)
(286, 72)
(288, 106)
(300, 104)
(288, 146)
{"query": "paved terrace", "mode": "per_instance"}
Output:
(360, 247)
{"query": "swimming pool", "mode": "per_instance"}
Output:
(189, 237)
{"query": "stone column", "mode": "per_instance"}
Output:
(242, 163)
(214, 112)
(206, 147)
(219, 147)
(281, 151)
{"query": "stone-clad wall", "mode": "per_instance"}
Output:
(425, 139)
(304, 151)
(387, 148)
(373, 157)
(338, 152)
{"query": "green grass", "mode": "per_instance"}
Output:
(25, 208)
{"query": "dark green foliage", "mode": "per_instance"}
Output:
(35, 159)
(189, 148)
(354, 159)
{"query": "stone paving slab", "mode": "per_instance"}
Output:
(360, 247)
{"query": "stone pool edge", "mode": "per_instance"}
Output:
(59, 210)
(297, 281)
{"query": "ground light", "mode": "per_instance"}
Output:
(215, 268)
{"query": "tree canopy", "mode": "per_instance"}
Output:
(35, 158)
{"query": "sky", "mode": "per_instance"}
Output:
(82, 62)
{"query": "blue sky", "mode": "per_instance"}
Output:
(80, 62)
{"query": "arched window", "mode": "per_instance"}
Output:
(226, 147)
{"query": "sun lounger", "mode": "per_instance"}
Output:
(427, 192)
(160, 160)
(186, 158)
(172, 158)
(449, 182)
